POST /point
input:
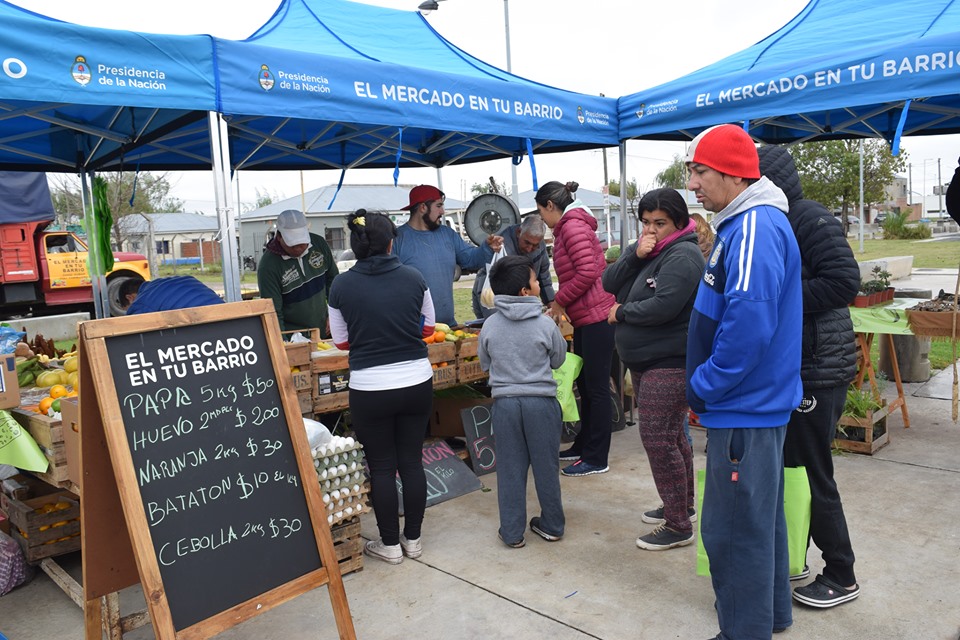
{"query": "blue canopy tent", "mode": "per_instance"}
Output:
(339, 84)
(839, 69)
(323, 84)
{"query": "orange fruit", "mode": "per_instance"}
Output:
(433, 366)
(45, 405)
(58, 391)
(444, 364)
(439, 336)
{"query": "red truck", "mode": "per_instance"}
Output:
(44, 272)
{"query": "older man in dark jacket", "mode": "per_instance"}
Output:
(830, 277)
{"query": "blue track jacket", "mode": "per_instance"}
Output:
(744, 341)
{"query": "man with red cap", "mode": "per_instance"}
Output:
(743, 380)
(435, 249)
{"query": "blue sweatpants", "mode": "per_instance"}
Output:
(527, 430)
(745, 533)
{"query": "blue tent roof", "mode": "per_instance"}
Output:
(839, 69)
(360, 81)
(75, 96)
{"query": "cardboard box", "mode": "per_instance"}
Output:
(70, 412)
(9, 388)
(445, 421)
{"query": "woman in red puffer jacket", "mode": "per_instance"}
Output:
(579, 263)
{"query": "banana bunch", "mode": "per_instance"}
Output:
(324, 346)
(27, 370)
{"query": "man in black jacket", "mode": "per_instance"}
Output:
(830, 277)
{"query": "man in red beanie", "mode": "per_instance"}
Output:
(435, 249)
(743, 380)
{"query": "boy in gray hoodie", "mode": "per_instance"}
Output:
(519, 347)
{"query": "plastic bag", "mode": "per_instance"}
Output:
(9, 338)
(317, 433)
(565, 376)
(486, 294)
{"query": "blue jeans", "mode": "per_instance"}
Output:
(745, 533)
(527, 430)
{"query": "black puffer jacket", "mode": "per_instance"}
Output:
(830, 276)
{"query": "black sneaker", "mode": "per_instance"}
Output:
(535, 527)
(803, 575)
(569, 455)
(663, 537)
(655, 516)
(581, 468)
(513, 545)
(824, 593)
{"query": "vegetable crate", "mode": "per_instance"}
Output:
(330, 371)
(864, 435)
(468, 363)
(48, 433)
(45, 526)
(443, 359)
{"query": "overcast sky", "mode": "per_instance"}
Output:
(614, 47)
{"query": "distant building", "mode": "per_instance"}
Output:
(327, 212)
(179, 238)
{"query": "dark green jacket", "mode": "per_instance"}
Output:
(298, 286)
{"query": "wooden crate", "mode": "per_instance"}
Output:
(48, 434)
(331, 372)
(864, 427)
(467, 348)
(469, 371)
(348, 545)
(298, 353)
(42, 535)
(444, 356)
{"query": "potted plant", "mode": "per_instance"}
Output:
(863, 297)
(862, 427)
(873, 289)
(882, 277)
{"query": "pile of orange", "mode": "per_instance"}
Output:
(437, 337)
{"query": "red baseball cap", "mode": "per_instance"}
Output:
(423, 193)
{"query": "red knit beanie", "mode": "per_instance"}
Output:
(728, 149)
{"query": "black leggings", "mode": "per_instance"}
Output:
(389, 425)
(594, 343)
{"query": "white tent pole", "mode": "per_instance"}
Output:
(624, 228)
(220, 153)
(862, 213)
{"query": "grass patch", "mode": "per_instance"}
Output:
(926, 255)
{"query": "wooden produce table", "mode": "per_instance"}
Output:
(886, 320)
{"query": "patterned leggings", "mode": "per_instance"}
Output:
(661, 400)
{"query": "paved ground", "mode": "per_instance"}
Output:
(901, 505)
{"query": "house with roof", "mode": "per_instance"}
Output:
(177, 238)
(326, 209)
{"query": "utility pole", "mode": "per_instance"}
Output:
(910, 183)
(940, 187)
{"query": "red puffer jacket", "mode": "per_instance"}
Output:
(579, 263)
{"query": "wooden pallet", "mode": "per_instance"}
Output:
(348, 545)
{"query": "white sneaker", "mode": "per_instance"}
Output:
(411, 548)
(389, 553)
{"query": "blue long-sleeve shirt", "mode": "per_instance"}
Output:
(744, 341)
(436, 254)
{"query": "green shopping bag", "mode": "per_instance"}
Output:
(565, 377)
(796, 508)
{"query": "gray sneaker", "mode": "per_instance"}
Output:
(663, 537)
(389, 553)
(655, 516)
(411, 548)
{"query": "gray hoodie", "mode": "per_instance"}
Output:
(519, 347)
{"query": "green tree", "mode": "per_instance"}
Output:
(491, 186)
(830, 172)
(265, 198)
(633, 197)
(127, 193)
(674, 176)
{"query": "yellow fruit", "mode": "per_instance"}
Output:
(70, 364)
(45, 405)
(58, 391)
(73, 379)
(49, 378)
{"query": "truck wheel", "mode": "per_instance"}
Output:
(113, 295)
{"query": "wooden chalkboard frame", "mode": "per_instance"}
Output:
(108, 478)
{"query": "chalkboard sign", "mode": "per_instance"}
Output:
(221, 500)
(447, 476)
(481, 443)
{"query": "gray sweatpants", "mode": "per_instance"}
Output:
(527, 431)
